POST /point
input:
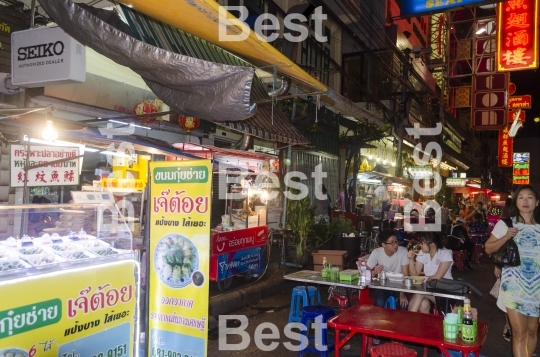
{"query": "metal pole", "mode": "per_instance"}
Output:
(404, 117)
(32, 13)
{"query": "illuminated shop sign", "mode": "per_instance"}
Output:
(517, 35)
(506, 148)
(455, 182)
(415, 7)
(521, 168)
(520, 102)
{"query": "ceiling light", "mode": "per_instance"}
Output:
(49, 132)
(481, 31)
(113, 153)
(130, 124)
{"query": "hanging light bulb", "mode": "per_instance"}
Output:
(384, 162)
(370, 157)
(393, 164)
(49, 132)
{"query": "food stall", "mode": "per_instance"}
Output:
(368, 191)
(239, 244)
(74, 287)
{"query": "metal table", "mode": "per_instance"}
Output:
(314, 277)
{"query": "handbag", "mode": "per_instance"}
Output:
(495, 289)
(508, 254)
(448, 286)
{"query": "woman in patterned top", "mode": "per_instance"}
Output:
(520, 286)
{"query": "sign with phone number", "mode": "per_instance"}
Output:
(93, 313)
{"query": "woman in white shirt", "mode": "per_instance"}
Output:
(436, 262)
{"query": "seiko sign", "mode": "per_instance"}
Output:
(46, 56)
(39, 51)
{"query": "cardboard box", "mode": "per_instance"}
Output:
(336, 257)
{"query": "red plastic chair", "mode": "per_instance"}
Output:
(393, 349)
(459, 259)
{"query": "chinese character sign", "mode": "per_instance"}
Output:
(517, 35)
(506, 147)
(64, 173)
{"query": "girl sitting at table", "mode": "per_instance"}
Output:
(436, 262)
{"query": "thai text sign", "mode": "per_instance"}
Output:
(506, 148)
(520, 102)
(226, 242)
(179, 253)
(455, 182)
(517, 35)
(93, 313)
(415, 7)
(60, 174)
(521, 168)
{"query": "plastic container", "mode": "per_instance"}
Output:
(226, 220)
(450, 330)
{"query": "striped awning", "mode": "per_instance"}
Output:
(266, 124)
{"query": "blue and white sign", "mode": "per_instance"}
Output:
(416, 7)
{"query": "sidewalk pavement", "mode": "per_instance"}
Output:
(268, 301)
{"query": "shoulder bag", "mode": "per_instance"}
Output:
(508, 254)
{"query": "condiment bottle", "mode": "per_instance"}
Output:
(467, 313)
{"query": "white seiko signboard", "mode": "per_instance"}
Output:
(59, 174)
(46, 56)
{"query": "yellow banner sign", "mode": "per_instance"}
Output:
(179, 257)
(90, 311)
(122, 183)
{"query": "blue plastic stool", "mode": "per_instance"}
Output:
(311, 313)
(299, 300)
(391, 303)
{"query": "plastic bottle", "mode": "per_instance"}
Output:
(325, 270)
(467, 312)
(363, 274)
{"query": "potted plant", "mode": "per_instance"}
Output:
(300, 220)
(340, 225)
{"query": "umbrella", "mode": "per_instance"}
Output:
(470, 189)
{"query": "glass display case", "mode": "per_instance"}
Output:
(55, 237)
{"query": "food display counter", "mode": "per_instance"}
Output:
(70, 283)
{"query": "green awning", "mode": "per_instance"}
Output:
(266, 124)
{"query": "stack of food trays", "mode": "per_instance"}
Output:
(51, 254)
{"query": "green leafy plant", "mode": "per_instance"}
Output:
(340, 225)
(300, 220)
(318, 234)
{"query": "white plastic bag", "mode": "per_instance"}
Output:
(495, 289)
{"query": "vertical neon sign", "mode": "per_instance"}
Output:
(517, 35)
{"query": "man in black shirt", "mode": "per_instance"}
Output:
(459, 240)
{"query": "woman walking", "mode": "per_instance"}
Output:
(520, 288)
(437, 264)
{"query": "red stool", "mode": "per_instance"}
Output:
(478, 252)
(459, 259)
(393, 349)
(343, 300)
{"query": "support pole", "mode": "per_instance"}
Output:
(404, 112)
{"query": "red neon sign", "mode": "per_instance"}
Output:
(520, 102)
(517, 35)
(506, 148)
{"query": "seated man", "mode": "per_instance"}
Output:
(389, 257)
(478, 227)
(459, 240)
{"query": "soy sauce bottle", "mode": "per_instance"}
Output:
(467, 312)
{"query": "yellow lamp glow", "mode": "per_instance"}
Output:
(49, 132)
